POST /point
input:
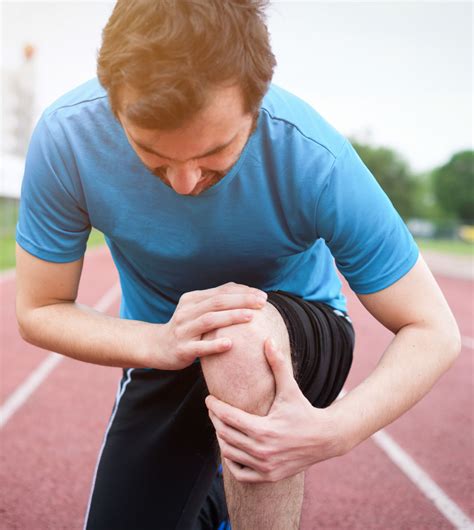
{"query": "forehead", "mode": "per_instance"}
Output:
(218, 123)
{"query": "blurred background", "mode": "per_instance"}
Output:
(394, 77)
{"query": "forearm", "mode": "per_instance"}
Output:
(413, 362)
(85, 334)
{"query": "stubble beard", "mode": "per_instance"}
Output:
(213, 176)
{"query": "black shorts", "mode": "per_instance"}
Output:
(157, 468)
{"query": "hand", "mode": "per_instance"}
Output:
(199, 312)
(290, 438)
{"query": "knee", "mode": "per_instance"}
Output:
(241, 376)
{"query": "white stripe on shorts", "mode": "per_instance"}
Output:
(120, 392)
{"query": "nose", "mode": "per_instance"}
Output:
(183, 178)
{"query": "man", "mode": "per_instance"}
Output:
(223, 200)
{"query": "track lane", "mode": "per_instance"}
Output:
(50, 445)
(18, 359)
(437, 432)
(64, 425)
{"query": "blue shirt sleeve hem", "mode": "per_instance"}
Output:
(47, 255)
(373, 287)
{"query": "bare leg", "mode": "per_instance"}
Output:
(243, 378)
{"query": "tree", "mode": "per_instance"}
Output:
(393, 174)
(453, 184)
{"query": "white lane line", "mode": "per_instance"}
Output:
(108, 299)
(24, 391)
(421, 479)
(34, 380)
(468, 342)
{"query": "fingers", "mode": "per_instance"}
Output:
(227, 288)
(201, 348)
(232, 436)
(217, 311)
(234, 417)
(243, 474)
(200, 312)
(240, 457)
(219, 319)
(282, 370)
(222, 302)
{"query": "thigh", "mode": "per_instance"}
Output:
(159, 455)
(322, 344)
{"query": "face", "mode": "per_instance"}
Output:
(195, 157)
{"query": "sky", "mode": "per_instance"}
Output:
(394, 73)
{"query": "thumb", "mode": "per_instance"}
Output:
(281, 368)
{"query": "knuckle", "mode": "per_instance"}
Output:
(272, 477)
(252, 298)
(178, 331)
(208, 320)
(224, 450)
(225, 417)
(223, 436)
(266, 468)
(253, 327)
(239, 476)
(178, 317)
(218, 303)
(271, 433)
(267, 432)
(185, 297)
(260, 435)
(180, 351)
(243, 313)
(262, 453)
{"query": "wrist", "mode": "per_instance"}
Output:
(339, 429)
(152, 347)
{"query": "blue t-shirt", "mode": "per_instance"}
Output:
(298, 196)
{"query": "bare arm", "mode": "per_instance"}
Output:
(426, 343)
(49, 317)
(294, 434)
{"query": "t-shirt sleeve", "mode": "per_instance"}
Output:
(371, 244)
(53, 224)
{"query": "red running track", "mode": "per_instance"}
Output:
(50, 444)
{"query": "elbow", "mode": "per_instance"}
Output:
(456, 342)
(452, 342)
(23, 329)
(24, 325)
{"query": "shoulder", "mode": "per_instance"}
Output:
(294, 116)
(85, 95)
(80, 120)
(84, 105)
(78, 131)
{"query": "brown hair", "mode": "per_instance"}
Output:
(173, 52)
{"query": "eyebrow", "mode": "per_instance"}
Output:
(212, 151)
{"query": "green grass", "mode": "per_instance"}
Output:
(7, 252)
(7, 247)
(446, 246)
(95, 238)
(9, 215)
(8, 219)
